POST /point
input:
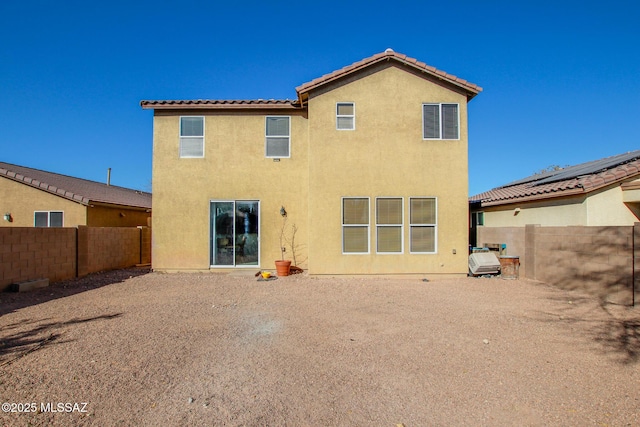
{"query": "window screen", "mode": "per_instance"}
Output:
(422, 217)
(389, 225)
(440, 121)
(355, 225)
(345, 116)
(278, 137)
(191, 136)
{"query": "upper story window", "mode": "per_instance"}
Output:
(440, 121)
(48, 219)
(345, 116)
(191, 136)
(278, 136)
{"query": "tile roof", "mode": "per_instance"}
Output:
(222, 104)
(76, 189)
(579, 179)
(302, 90)
(471, 89)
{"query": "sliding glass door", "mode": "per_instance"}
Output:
(235, 238)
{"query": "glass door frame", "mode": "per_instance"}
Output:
(214, 239)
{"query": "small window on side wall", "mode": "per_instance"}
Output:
(191, 137)
(345, 116)
(278, 136)
(48, 219)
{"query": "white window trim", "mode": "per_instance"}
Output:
(441, 121)
(190, 137)
(353, 116)
(266, 138)
(435, 226)
(48, 217)
(343, 225)
(401, 225)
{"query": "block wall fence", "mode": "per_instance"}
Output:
(602, 261)
(57, 254)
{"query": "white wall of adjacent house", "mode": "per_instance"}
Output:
(603, 208)
(559, 212)
(608, 208)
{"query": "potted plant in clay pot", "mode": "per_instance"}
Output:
(283, 265)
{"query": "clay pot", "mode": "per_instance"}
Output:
(282, 267)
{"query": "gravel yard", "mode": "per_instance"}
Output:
(132, 347)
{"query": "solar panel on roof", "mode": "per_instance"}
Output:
(589, 168)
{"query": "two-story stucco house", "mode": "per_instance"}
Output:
(369, 163)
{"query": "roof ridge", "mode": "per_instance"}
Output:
(471, 88)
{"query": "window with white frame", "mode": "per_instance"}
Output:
(278, 136)
(440, 121)
(345, 116)
(423, 224)
(191, 137)
(389, 219)
(48, 219)
(355, 225)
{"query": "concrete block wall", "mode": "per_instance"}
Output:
(599, 260)
(110, 248)
(36, 253)
(28, 253)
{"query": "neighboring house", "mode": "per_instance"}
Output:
(35, 198)
(603, 192)
(369, 163)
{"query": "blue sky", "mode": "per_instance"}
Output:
(561, 79)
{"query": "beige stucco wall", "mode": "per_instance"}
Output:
(234, 168)
(22, 201)
(601, 208)
(384, 156)
(608, 208)
(117, 216)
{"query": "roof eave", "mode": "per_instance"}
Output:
(43, 186)
(237, 106)
(533, 197)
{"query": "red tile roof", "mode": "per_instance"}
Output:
(388, 55)
(544, 186)
(222, 104)
(76, 189)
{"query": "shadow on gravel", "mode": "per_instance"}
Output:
(615, 328)
(622, 337)
(12, 301)
(16, 341)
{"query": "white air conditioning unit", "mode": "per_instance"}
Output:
(483, 263)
